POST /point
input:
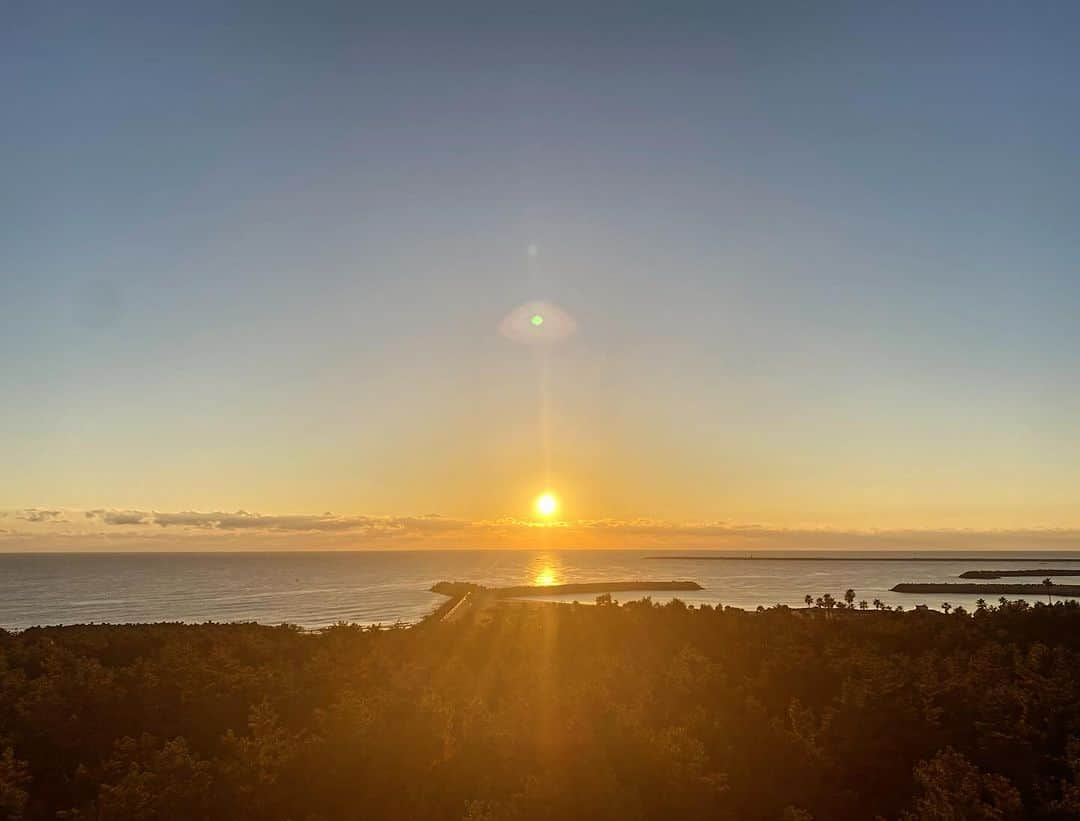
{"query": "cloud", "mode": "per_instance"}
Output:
(242, 520)
(102, 529)
(124, 517)
(118, 517)
(34, 514)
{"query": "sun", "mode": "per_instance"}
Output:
(546, 504)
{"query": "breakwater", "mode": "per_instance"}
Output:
(523, 590)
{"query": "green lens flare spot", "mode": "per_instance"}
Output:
(537, 320)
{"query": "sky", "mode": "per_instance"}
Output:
(816, 266)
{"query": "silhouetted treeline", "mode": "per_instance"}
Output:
(552, 712)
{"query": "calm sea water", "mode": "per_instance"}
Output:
(316, 589)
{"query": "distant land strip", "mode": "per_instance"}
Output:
(1067, 590)
(1000, 574)
(856, 559)
(519, 591)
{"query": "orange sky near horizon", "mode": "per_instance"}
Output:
(135, 530)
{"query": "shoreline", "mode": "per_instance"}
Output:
(1063, 590)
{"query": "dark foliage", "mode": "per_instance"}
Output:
(552, 712)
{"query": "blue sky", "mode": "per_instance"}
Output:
(822, 260)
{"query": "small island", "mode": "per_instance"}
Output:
(1000, 574)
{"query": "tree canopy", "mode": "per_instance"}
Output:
(551, 712)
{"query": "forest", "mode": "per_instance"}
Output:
(538, 711)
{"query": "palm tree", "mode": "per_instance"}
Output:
(946, 607)
(863, 605)
(980, 605)
(849, 597)
(879, 604)
(1049, 585)
(809, 600)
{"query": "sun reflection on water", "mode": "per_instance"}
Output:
(546, 570)
(546, 577)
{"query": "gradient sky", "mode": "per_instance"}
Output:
(822, 259)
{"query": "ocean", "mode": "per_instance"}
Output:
(315, 589)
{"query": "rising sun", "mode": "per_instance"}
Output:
(546, 504)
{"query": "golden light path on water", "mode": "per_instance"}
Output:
(546, 570)
(546, 577)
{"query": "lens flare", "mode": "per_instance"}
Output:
(538, 323)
